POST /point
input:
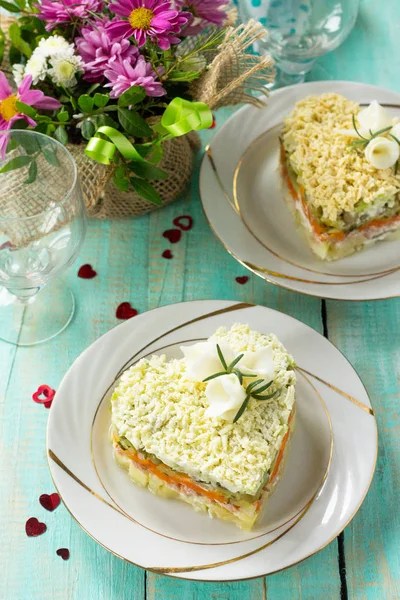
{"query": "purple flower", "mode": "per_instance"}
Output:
(203, 12)
(8, 105)
(155, 19)
(96, 48)
(123, 75)
(64, 11)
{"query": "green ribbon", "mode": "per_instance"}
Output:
(182, 116)
(103, 151)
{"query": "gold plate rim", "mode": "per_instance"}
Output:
(50, 454)
(236, 205)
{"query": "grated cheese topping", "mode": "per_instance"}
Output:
(161, 412)
(333, 174)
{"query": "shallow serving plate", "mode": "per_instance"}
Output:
(244, 203)
(330, 463)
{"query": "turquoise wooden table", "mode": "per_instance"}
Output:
(364, 562)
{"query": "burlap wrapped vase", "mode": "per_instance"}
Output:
(231, 77)
(105, 201)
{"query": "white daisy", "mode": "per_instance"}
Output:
(53, 45)
(18, 73)
(64, 68)
(37, 67)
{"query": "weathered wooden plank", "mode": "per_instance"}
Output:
(371, 541)
(30, 567)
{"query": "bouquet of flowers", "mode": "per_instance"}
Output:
(122, 78)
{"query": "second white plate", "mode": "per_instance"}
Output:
(243, 201)
(318, 495)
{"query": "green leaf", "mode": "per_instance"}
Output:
(266, 396)
(157, 154)
(32, 173)
(85, 103)
(221, 357)
(63, 115)
(101, 100)
(2, 45)
(16, 163)
(25, 109)
(61, 135)
(29, 142)
(93, 87)
(234, 363)
(133, 123)
(15, 36)
(263, 387)
(121, 183)
(14, 55)
(134, 95)
(252, 385)
(147, 170)
(88, 129)
(238, 375)
(20, 124)
(145, 190)
(143, 150)
(8, 6)
(241, 409)
(51, 157)
(110, 108)
(214, 376)
(21, 4)
(184, 75)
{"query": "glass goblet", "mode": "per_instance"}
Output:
(299, 31)
(42, 227)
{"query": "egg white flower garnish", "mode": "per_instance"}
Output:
(373, 118)
(202, 359)
(382, 153)
(225, 395)
(229, 375)
(259, 363)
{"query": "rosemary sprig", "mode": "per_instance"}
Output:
(363, 141)
(253, 392)
(228, 369)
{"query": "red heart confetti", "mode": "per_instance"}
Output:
(184, 222)
(49, 502)
(242, 280)
(125, 311)
(33, 527)
(213, 124)
(8, 245)
(63, 552)
(44, 395)
(167, 254)
(87, 272)
(173, 235)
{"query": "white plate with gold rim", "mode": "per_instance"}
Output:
(329, 469)
(242, 197)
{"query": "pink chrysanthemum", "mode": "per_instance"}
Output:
(96, 49)
(154, 19)
(123, 75)
(56, 12)
(203, 12)
(8, 105)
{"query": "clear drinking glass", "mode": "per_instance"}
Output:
(42, 227)
(300, 31)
